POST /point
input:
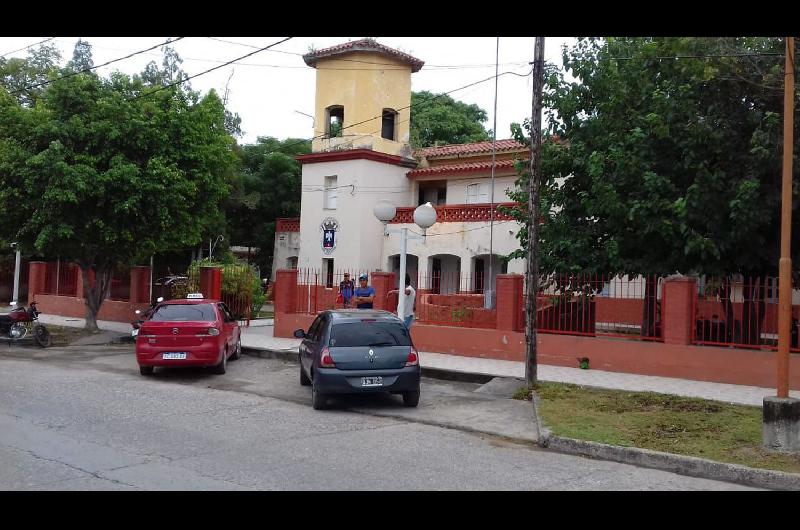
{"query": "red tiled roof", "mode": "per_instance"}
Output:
(363, 45)
(461, 168)
(463, 149)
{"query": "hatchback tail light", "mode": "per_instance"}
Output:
(325, 359)
(213, 331)
(413, 358)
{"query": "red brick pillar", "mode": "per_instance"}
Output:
(211, 282)
(140, 285)
(509, 301)
(36, 275)
(383, 282)
(285, 291)
(677, 301)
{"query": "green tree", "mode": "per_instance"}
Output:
(106, 172)
(439, 119)
(267, 187)
(81, 57)
(24, 78)
(665, 162)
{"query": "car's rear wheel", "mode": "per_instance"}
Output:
(223, 364)
(146, 370)
(318, 400)
(304, 380)
(237, 352)
(411, 399)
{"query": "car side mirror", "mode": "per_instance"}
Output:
(300, 334)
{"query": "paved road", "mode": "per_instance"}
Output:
(85, 419)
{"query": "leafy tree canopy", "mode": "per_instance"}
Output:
(105, 172)
(440, 119)
(664, 162)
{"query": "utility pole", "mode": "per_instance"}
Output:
(534, 181)
(785, 269)
(781, 414)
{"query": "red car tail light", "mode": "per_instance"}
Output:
(413, 358)
(325, 360)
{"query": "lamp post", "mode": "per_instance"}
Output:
(16, 275)
(424, 217)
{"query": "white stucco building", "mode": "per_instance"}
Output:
(361, 155)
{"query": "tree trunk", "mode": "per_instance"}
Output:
(95, 294)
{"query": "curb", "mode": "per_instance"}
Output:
(434, 373)
(264, 353)
(683, 465)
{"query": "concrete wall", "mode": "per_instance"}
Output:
(361, 184)
(287, 244)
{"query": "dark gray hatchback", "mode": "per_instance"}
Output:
(353, 351)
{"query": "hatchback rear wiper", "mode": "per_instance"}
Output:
(381, 344)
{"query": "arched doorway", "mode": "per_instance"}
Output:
(444, 274)
(412, 268)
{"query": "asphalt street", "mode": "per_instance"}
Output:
(82, 418)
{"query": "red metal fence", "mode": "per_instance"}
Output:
(741, 312)
(61, 278)
(598, 304)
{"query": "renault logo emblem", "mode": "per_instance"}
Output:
(371, 356)
(174, 331)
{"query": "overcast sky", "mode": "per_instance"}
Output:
(267, 88)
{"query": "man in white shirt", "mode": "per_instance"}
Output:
(411, 296)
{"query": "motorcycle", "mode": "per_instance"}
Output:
(144, 316)
(17, 324)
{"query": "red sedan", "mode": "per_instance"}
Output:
(191, 332)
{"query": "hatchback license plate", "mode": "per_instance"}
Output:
(372, 381)
(177, 355)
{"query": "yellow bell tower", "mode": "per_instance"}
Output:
(363, 98)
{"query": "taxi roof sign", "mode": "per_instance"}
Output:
(194, 296)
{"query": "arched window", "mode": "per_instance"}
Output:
(334, 121)
(388, 126)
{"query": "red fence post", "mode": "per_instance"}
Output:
(211, 282)
(285, 291)
(140, 289)
(677, 299)
(383, 282)
(36, 278)
(509, 298)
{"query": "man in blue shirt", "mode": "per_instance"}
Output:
(364, 294)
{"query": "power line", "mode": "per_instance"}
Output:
(36, 85)
(29, 46)
(209, 70)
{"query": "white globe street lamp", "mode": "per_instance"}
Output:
(424, 217)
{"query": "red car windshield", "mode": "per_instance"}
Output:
(184, 313)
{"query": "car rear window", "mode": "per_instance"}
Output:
(184, 313)
(369, 333)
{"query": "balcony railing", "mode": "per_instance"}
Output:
(451, 213)
(287, 224)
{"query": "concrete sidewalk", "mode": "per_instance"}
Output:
(261, 338)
